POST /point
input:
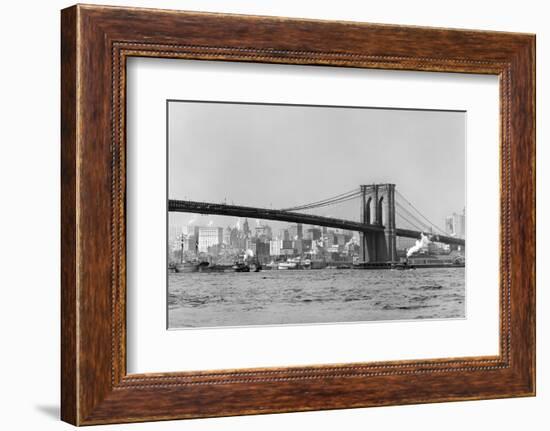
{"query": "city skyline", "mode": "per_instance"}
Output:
(455, 228)
(291, 240)
(199, 220)
(217, 243)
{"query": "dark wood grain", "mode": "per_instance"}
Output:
(96, 41)
(69, 398)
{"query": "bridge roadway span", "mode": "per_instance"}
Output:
(296, 217)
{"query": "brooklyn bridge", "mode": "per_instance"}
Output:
(380, 205)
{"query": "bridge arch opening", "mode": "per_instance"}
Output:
(379, 213)
(368, 210)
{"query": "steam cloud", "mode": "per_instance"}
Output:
(248, 253)
(351, 242)
(420, 243)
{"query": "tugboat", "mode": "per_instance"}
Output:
(186, 267)
(241, 267)
(207, 267)
(289, 264)
(405, 265)
(317, 264)
(271, 265)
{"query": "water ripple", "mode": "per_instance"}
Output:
(315, 296)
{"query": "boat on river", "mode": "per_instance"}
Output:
(286, 265)
(241, 267)
(206, 267)
(184, 267)
(291, 263)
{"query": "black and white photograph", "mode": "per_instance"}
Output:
(305, 214)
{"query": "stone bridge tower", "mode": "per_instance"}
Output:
(378, 208)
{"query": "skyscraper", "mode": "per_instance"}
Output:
(296, 231)
(275, 246)
(455, 224)
(208, 237)
(246, 228)
(263, 232)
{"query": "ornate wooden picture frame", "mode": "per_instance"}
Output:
(96, 41)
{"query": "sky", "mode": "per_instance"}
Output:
(277, 156)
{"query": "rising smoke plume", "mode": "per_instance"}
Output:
(248, 253)
(420, 243)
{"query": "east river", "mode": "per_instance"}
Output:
(314, 296)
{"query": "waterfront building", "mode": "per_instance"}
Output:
(333, 248)
(191, 244)
(287, 247)
(236, 238)
(263, 251)
(352, 248)
(227, 235)
(275, 246)
(455, 224)
(302, 246)
(208, 237)
(296, 231)
(186, 240)
(190, 230)
(313, 233)
(174, 233)
(264, 232)
(246, 228)
(449, 225)
(343, 238)
(332, 238)
(438, 248)
(250, 244)
(403, 243)
(241, 243)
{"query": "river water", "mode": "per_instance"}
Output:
(314, 296)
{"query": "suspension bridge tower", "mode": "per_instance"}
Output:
(378, 208)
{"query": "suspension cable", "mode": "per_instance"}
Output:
(430, 223)
(334, 202)
(412, 216)
(409, 222)
(328, 201)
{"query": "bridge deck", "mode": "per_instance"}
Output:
(294, 217)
